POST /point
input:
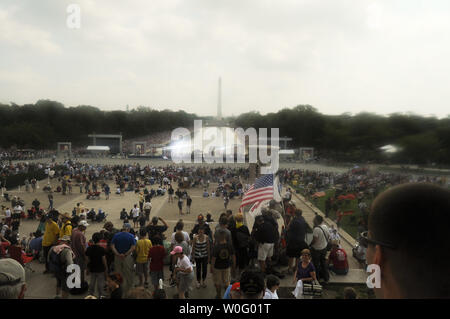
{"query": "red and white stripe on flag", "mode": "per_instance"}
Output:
(260, 191)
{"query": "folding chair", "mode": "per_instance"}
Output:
(15, 252)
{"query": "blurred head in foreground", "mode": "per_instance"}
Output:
(407, 239)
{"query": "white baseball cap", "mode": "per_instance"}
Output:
(83, 223)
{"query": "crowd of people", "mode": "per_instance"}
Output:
(358, 180)
(24, 155)
(128, 260)
(156, 138)
(139, 247)
(360, 184)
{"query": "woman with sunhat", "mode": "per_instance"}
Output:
(184, 272)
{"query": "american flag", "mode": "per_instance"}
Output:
(260, 191)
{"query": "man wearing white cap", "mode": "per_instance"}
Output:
(78, 243)
(12, 279)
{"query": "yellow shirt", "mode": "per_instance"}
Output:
(79, 209)
(142, 248)
(51, 234)
(66, 229)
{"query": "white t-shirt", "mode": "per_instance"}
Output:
(147, 205)
(18, 209)
(8, 213)
(135, 212)
(322, 237)
(186, 238)
(334, 235)
(184, 263)
(269, 295)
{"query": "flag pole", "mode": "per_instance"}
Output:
(284, 212)
(282, 202)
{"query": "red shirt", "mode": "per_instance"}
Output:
(4, 245)
(338, 258)
(290, 210)
(78, 243)
(103, 243)
(157, 254)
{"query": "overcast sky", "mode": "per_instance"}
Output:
(340, 56)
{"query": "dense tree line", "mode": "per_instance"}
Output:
(42, 125)
(341, 137)
(358, 138)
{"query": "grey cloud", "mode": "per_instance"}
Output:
(340, 56)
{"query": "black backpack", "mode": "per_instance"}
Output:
(243, 240)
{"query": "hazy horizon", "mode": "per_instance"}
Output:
(347, 56)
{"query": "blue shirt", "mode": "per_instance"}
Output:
(305, 272)
(36, 243)
(123, 242)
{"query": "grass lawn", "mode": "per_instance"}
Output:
(349, 222)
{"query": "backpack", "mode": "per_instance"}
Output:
(66, 224)
(54, 262)
(243, 240)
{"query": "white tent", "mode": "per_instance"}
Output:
(95, 148)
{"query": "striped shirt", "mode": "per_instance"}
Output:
(201, 248)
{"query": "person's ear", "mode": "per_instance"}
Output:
(378, 257)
